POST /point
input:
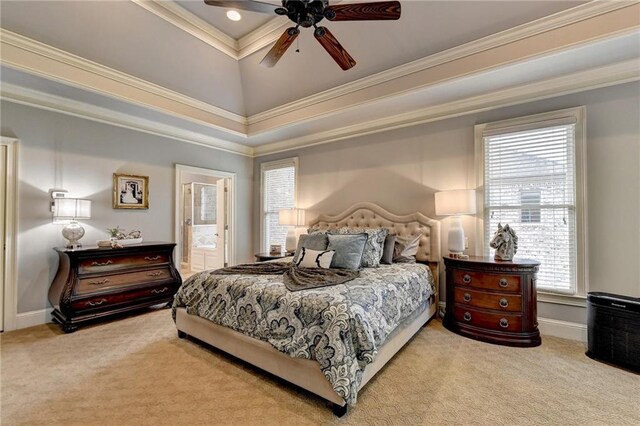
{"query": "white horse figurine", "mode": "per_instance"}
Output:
(505, 242)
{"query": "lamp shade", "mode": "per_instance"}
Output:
(72, 208)
(455, 202)
(292, 217)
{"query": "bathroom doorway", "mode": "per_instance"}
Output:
(204, 219)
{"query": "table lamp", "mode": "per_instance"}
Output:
(72, 209)
(455, 203)
(293, 218)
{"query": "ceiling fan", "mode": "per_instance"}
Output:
(307, 13)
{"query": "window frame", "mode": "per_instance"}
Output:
(578, 115)
(274, 165)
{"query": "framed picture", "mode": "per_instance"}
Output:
(275, 249)
(130, 191)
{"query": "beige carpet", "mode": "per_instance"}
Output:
(135, 371)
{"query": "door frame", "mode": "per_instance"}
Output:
(231, 208)
(10, 299)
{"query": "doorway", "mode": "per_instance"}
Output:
(8, 194)
(204, 219)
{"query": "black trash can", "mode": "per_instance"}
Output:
(613, 329)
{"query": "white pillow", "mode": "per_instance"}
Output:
(315, 258)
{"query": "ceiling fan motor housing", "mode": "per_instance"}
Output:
(305, 13)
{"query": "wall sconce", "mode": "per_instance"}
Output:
(293, 218)
(72, 209)
(455, 203)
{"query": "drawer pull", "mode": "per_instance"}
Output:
(160, 291)
(504, 323)
(151, 258)
(466, 279)
(467, 297)
(504, 303)
(96, 263)
(503, 282)
(467, 316)
(104, 281)
(98, 303)
(154, 274)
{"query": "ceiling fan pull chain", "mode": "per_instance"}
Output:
(297, 45)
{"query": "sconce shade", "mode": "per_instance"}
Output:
(292, 217)
(455, 202)
(72, 208)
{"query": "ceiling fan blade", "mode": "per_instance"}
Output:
(280, 47)
(334, 48)
(380, 11)
(251, 6)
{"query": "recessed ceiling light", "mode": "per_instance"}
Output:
(234, 15)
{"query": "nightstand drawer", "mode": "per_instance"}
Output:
(108, 282)
(112, 263)
(492, 321)
(501, 282)
(498, 301)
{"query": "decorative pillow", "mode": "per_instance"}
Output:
(315, 259)
(406, 248)
(314, 242)
(387, 250)
(375, 242)
(349, 249)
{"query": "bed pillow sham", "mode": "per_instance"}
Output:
(315, 258)
(406, 248)
(348, 248)
(387, 250)
(373, 248)
(313, 242)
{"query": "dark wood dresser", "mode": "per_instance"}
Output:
(93, 282)
(493, 301)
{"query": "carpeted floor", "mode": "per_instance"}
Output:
(135, 371)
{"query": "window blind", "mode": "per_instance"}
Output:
(278, 193)
(529, 183)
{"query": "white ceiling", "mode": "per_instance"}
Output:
(129, 39)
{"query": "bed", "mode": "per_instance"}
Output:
(332, 340)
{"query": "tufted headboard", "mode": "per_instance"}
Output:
(370, 215)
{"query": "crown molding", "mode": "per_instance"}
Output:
(610, 75)
(530, 29)
(192, 24)
(25, 54)
(41, 100)
(262, 36)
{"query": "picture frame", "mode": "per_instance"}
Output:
(275, 249)
(130, 191)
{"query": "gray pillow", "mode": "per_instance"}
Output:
(375, 242)
(387, 251)
(406, 248)
(314, 242)
(348, 248)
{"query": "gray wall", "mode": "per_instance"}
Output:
(59, 151)
(401, 169)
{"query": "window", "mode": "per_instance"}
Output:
(278, 185)
(531, 170)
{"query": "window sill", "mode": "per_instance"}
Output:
(562, 299)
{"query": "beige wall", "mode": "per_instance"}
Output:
(59, 151)
(401, 169)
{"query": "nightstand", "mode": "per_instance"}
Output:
(493, 301)
(263, 257)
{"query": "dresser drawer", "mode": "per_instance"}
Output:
(102, 301)
(498, 301)
(492, 321)
(112, 263)
(501, 282)
(108, 282)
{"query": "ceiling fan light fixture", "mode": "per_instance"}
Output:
(234, 15)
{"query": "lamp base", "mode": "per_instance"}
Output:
(73, 232)
(456, 236)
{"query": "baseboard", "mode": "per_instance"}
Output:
(564, 329)
(31, 318)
